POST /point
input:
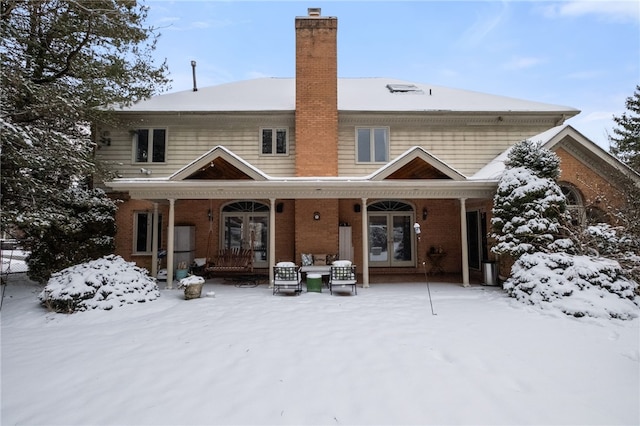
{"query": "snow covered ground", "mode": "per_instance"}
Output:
(381, 357)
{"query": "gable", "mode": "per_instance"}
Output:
(219, 169)
(218, 164)
(416, 163)
(417, 169)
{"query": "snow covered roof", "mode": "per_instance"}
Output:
(354, 94)
(549, 139)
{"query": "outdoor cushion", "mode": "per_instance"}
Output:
(342, 263)
(307, 259)
(286, 274)
(289, 264)
(319, 259)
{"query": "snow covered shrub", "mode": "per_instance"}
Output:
(616, 243)
(575, 285)
(105, 283)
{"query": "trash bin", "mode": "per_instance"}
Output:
(314, 283)
(490, 273)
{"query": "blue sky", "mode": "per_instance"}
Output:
(583, 54)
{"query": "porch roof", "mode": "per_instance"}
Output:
(243, 180)
(303, 188)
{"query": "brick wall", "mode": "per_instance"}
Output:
(316, 96)
(316, 236)
(595, 189)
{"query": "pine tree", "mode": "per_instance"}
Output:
(64, 63)
(530, 211)
(625, 143)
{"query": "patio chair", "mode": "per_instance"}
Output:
(287, 276)
(342, 276)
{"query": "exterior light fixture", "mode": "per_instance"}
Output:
(425, 213)
(316, 216)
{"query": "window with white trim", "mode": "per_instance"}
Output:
(150, 145)
(372, 144)
(142, 232)
(274, 141)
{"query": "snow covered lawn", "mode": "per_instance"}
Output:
(247, 357)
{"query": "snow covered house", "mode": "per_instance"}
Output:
(319, 164)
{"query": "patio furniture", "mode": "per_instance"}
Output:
(231, 260)
(342, 276)
(287, 277)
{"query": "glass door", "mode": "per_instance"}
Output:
(243, 228)
(391, 239)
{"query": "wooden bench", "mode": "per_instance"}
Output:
(232, 260)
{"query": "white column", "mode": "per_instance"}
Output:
(154, 242)
(272, 239)
(365, 245)
(170, 235)
(464, 245)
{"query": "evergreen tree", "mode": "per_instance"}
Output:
(63, 64)
(542, 162)
(80, 227)
(625, 143)
(530, 211)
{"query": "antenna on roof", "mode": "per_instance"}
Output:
(193, 68)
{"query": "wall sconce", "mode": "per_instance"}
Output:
(425, 213)
(279, 208)
(316, 216)
(210, 215)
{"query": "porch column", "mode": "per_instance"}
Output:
(272, 239)
(464, 245)
(170, 234)
(154, 242)
(365, 245)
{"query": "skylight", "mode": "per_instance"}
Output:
(404, 88)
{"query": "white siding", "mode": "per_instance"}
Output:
(466, 142)
(190, 136)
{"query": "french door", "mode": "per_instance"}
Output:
(246, 225)
(391, 239)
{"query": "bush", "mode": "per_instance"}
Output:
(575, 285)
(105, 283)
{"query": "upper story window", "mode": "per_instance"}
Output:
(274, 141)
(150, 145)
(372, 144)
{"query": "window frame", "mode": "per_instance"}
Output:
(274, 141)
(577, 210)
(150, 145)
(372, 144)
(149, 228)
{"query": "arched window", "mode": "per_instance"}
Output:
(575, 204)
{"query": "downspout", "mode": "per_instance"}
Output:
(365, 245)
(170, 236)
(464, 244)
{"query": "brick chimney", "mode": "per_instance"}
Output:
(316, 95)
